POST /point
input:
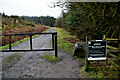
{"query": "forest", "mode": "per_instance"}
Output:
(93, 19)
(43, 20)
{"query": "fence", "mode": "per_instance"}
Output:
(111, 48)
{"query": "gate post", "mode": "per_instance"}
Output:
(9, 36)
(56, 52)
(30, 42)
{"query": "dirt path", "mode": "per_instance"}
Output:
(31, 65)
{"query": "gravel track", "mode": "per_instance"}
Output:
(31, 65)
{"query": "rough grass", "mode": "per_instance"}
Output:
(51, 58)
(20, 41)
(10, 60)
(102, 69)
(63, 37)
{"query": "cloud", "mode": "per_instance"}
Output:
(29, 7)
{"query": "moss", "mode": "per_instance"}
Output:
(11, 59)
(51, 58)
(79, 59)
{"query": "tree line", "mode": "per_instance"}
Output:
(43, 20)
(93, 19)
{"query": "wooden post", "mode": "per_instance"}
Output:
(87, 63)
(86, 39)
(104, 37)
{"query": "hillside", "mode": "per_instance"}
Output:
(12, 25)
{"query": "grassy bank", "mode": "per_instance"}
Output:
(20, 41)
(65, 40)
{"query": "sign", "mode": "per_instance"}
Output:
(97, 50)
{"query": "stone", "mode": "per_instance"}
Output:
(79, 49)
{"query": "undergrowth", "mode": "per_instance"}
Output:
(102, 69)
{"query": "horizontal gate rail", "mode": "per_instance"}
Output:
(54, 42)
(54, 33)
(27, 50)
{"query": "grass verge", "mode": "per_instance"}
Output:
(102, 69)
(51, 58)
(65, 40)
(20, 41)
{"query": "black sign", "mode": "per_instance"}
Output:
(97, 50)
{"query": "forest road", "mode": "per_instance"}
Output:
(31, 65)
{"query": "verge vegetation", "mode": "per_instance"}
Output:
(97, 69)
(10, 60)
(51, 58)
(65, 40)
(102, 69)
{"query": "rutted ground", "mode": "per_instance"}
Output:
(32, 65)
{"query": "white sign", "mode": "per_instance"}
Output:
(97, 50)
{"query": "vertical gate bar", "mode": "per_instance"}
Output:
(53, 41)
(31, 42)
(9, 36)
(56, 52)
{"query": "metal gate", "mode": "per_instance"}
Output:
(54, 42)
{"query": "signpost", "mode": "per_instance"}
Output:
(97, 50)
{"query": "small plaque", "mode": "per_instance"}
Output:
(97, 50)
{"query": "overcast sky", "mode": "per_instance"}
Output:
(29, 8)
